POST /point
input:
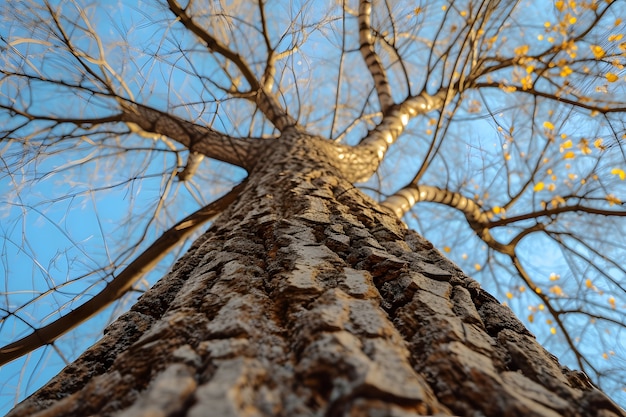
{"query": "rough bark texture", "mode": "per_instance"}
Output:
(307, 299)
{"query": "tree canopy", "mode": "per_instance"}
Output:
(497, 130)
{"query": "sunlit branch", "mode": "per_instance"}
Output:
(371, 58)
(268, 79)
(340, 71)
(193, 162)
(265, 100)
(122, 282)
(404, 199)
(369, 153)
(270, 69)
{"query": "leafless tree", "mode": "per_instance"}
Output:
(505, 120)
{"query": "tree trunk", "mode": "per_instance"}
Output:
(305, 298)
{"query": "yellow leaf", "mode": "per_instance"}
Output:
(554, 277)
(548, 125)
(584, 146)
(619, 172)
(569, 155)
(612, 302)
(588, 283)
(598, 144)
(617, 37)
(446, 249)
(567, 144)
(557, 200)
(612, 199)
(598, 51)
(538, 187)
(556, 290)
(522, 288)
(552, 330)
(610, 77)
(477, 267)
(531, 318)
(565, 71)
(521, 50)
(509, 295)
(496, 210)
(560, 5)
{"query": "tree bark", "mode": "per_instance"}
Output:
(306, 298)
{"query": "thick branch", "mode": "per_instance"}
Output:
(402, 201)
(120, 284)
(196, 138)
(371, 58)
(362, 161)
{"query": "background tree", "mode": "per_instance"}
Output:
(507, 117)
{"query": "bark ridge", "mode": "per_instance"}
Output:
(305, 298)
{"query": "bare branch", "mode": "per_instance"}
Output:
(121, 283)
(267, 102)
(580, 102)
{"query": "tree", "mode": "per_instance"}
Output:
(305, 296)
